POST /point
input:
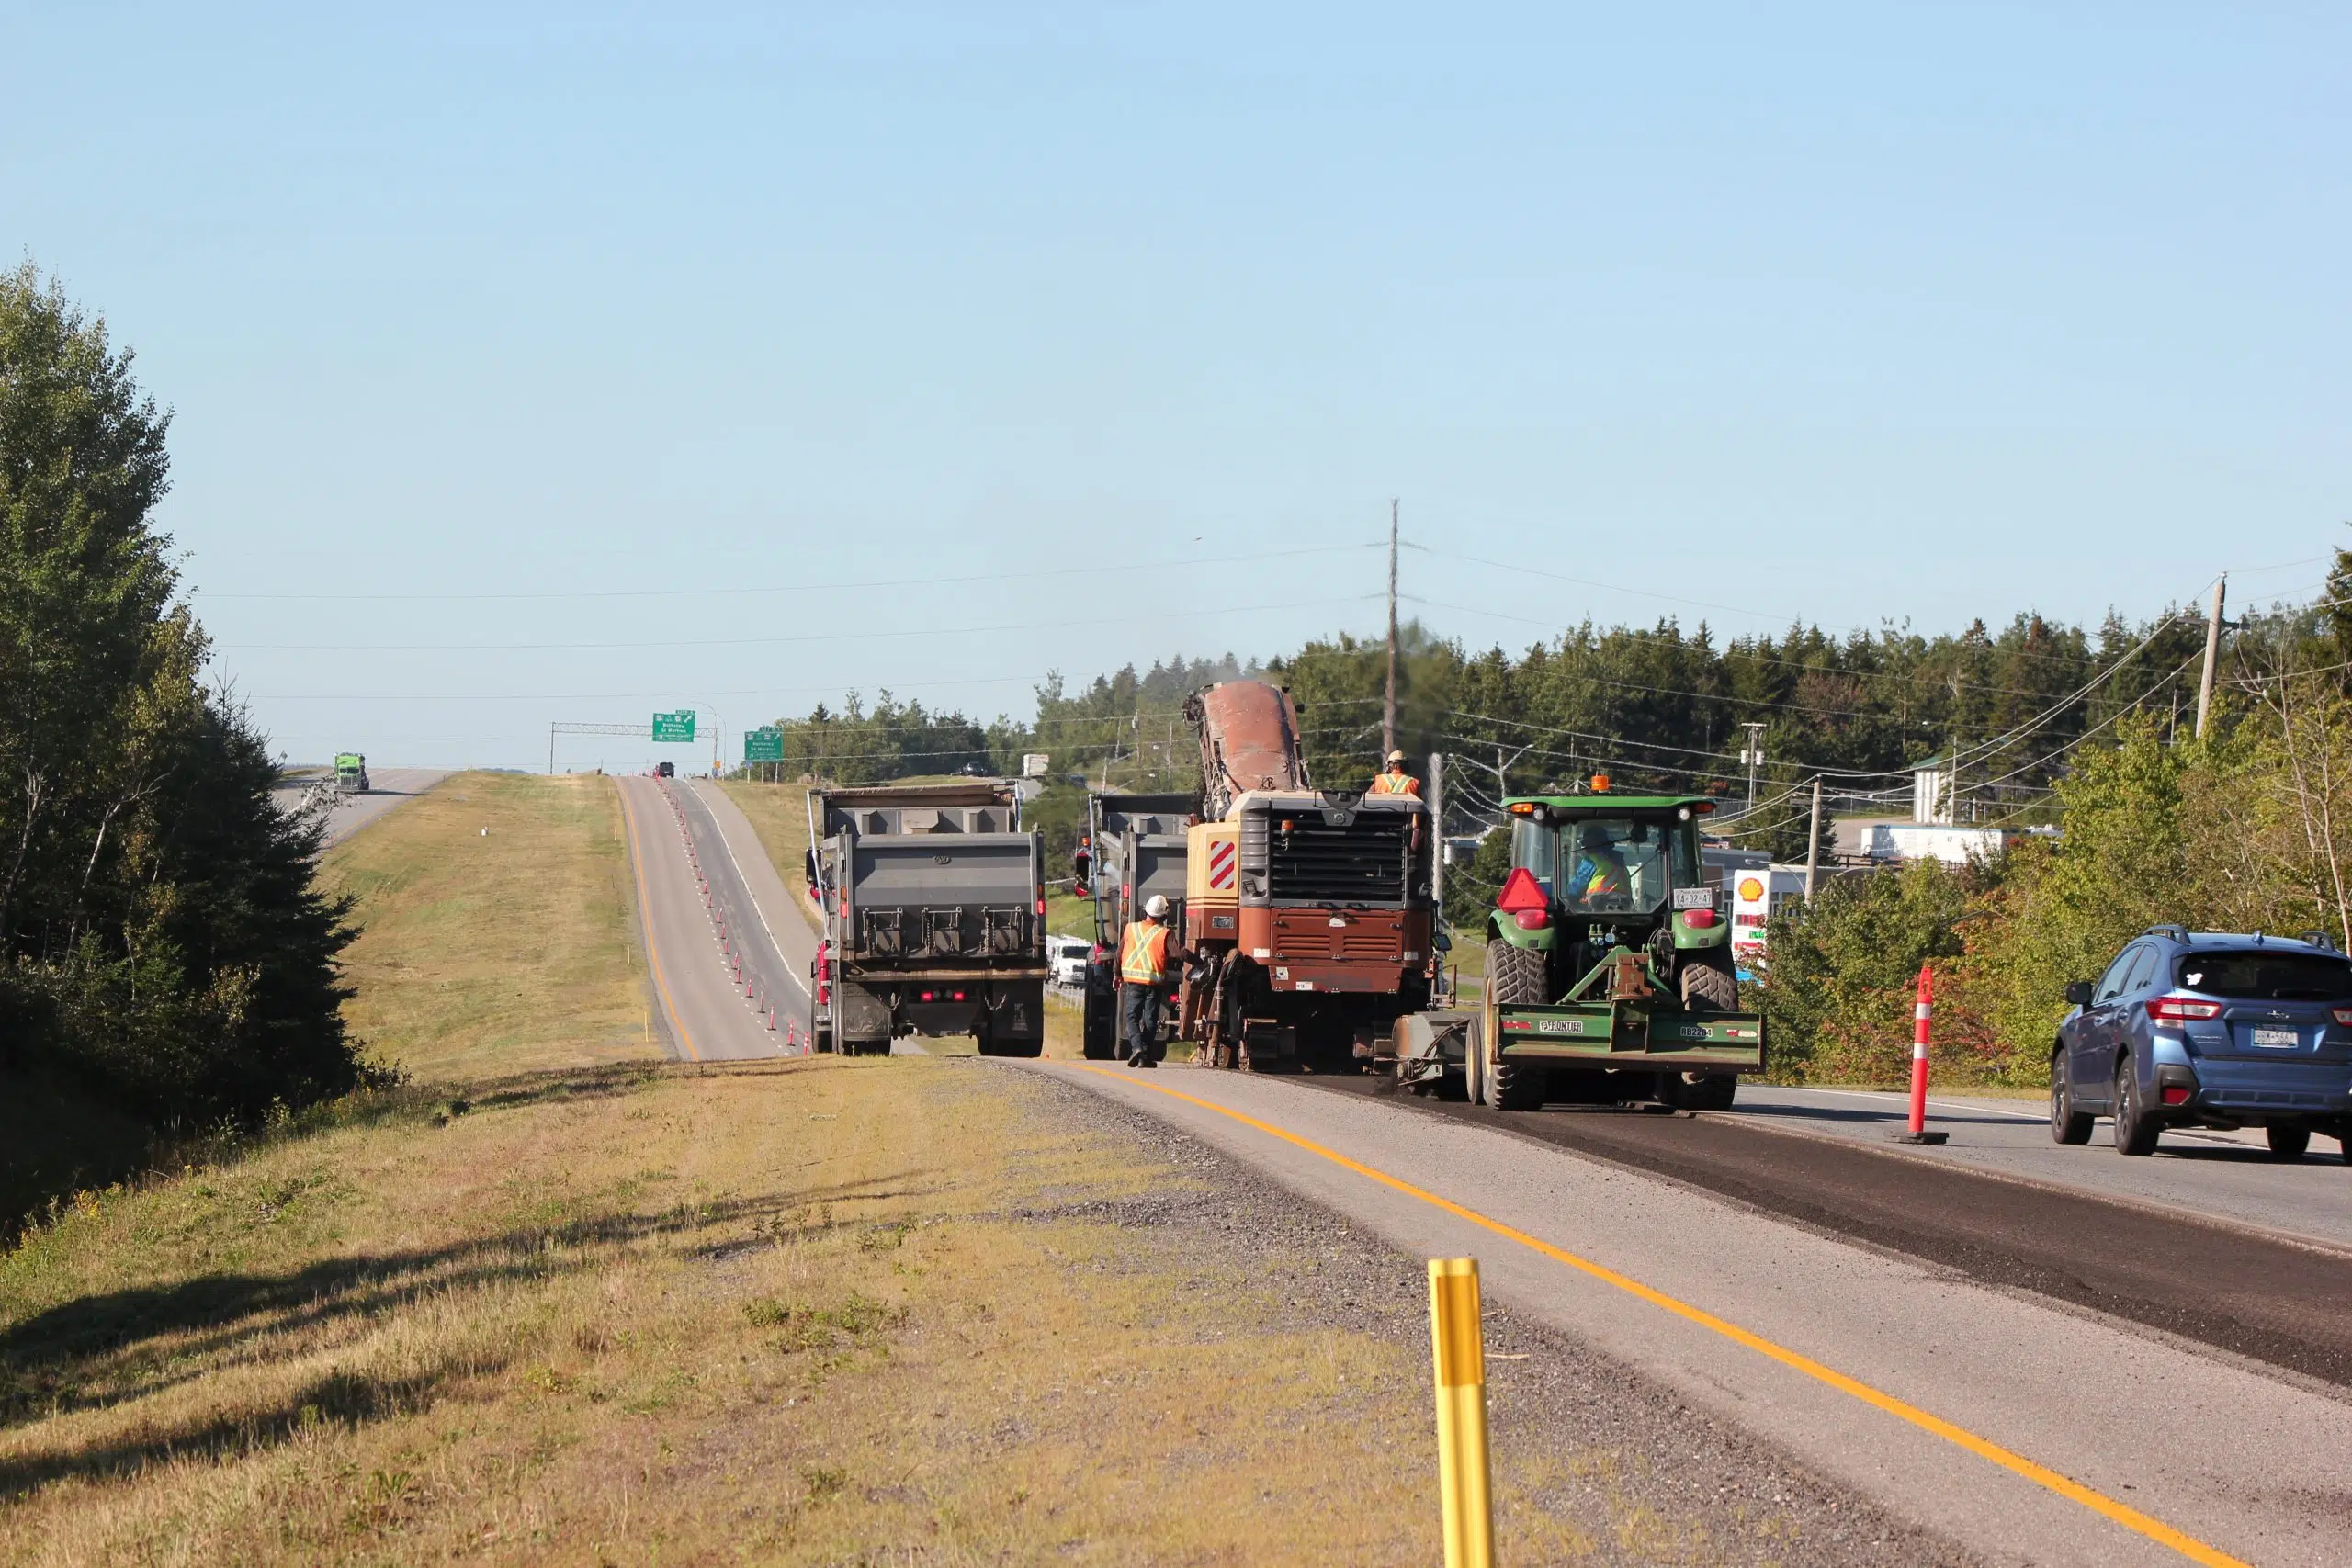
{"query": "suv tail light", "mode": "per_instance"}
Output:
(2175, 1094)
(2341, 1015)
(2181, 1009)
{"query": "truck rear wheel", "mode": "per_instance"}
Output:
(1518, 976)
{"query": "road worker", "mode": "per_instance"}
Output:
(1395, 781)
(1148, 957)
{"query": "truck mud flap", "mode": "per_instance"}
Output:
(1016, 1013)
(859, 1014)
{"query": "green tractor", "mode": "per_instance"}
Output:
(1609, 966)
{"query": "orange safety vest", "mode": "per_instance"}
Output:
(1394, 784)
(1143, 953)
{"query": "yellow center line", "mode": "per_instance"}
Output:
(645, 908)
(2040, 1474)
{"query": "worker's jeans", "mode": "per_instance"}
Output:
(1139, 1013)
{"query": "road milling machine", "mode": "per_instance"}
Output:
(1307, 910)
(1609, 968)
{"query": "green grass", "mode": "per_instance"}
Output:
(497, 932)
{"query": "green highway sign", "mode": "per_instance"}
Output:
(678, 726)
(763, 745)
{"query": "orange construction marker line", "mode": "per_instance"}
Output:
(2123, 1514)
(645, 908)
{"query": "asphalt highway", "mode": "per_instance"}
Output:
(2039, 1374)
(350, 813)
(722, 987)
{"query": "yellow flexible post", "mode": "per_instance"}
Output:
(1459, 1343)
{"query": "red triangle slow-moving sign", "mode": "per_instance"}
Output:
(1521, 893)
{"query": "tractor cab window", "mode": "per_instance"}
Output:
(1536, 847)
(1622, 866)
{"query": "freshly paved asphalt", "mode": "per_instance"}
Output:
(351, 812)
(2192, 1371)
(705, 1013)
(2226, 1175)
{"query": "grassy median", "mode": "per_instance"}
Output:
(497, 929)
(779, 815)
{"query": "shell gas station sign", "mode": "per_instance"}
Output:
(1751, 906)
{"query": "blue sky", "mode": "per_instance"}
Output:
(1874, 314)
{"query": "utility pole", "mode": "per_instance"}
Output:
(1437, 834)
(1753, 756)
(1812, 842)
(1388, 709)
(2212, 650)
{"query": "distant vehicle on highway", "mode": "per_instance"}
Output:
(665, 770)
(350, 773)
(1068, 957)
(2209, 1030)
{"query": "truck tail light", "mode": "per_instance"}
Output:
(929, 995)
(2181, 1009)
(956, 995)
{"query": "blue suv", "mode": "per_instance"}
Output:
(2207, 1030)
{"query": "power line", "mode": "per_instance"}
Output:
(766, 641)
(818, 587)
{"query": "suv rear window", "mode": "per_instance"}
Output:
(2276, 977)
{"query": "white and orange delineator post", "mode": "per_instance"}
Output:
(1923, 1013)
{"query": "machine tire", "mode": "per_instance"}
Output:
(2134, 1132)
(1706, 988)
(2288, 1143)
(2067, 1125)
(1712, 1091)
(1516, 975)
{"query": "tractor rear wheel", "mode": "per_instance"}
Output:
(1517, 977)
(1709, 988)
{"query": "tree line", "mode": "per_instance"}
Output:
(2248, 827)
(163, 955)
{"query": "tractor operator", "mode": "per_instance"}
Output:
(1146, 954)
(1601, 872)
(1395, 781)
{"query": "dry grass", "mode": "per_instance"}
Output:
(779, 815)
(498, 953)
(819, 1311)
(788, 1313)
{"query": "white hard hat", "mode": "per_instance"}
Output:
(1396, 756)
(1155, 906)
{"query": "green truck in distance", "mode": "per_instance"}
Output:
(350, 773)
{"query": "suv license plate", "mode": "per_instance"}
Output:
(2276, 1037)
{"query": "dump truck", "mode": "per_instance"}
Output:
(1134, 849)
(350, 773)
(935, 918)
(1308, 911)
(1609, 968)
